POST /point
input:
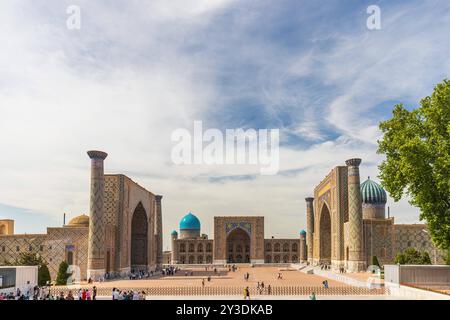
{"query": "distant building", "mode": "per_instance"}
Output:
(237, 240)
(347, 224)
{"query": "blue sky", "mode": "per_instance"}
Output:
(137, 70)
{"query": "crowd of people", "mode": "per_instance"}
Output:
(44, 293)
(127, 295)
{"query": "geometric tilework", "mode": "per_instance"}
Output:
(52, 247)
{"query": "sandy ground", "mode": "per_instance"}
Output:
(223, 277)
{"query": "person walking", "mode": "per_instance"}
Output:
(312, 296)
(248, 293)
(94, 293)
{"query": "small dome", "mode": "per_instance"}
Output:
(174, 233)
(79, 221)
(190, 222)
(372, 192)
(303, 233)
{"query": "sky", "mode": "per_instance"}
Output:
(136, 71)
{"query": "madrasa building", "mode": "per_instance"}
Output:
(346, 226)
(122, 234)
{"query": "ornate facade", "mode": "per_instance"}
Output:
(346, 224)
(122, 234)
(236, 240)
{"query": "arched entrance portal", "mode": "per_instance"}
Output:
(238, 246)
(139, 239)
(325, 235)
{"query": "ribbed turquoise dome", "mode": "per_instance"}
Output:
(190, 222)
(174, 233)
(303, 233)
(372, 192)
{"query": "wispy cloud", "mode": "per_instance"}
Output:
(138, 70)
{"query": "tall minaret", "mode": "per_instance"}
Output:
(356, 257)
(309, 229)
(96, 247)
(158, 231)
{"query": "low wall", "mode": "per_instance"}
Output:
(401, 291)
(417, 274)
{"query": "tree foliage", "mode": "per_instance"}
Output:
(32, 259)
(61, 278)
(412, 256)
(417, 148)
(375, 261)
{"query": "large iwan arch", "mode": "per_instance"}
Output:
(139, 239)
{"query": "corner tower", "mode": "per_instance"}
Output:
(356, 257)
(96, 246)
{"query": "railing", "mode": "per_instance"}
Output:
(233, 291)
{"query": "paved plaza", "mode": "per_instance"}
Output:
(223, 277)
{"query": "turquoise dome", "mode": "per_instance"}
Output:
(303, 233)
(174, 233)
(190, 222)
(372, 192)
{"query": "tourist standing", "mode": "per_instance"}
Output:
(94, 293)
(313, 296)
(70, 296)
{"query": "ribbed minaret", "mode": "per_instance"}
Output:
(303, 253)
(309, 229)
(356, 257)
(158, 231)
(96, 248)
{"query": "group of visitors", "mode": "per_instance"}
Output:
(342, 270)
(203, 281)
(127, 295)
(232, 268)
(325, 266)
(325, 284)
(262, 288)
(44, 293)
(169, 271)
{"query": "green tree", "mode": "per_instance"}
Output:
(375, 261)
(61, 278)
(417, 148)
(43, 275)
(32, 259)
(412, 256)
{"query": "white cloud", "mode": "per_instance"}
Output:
(133, 74)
